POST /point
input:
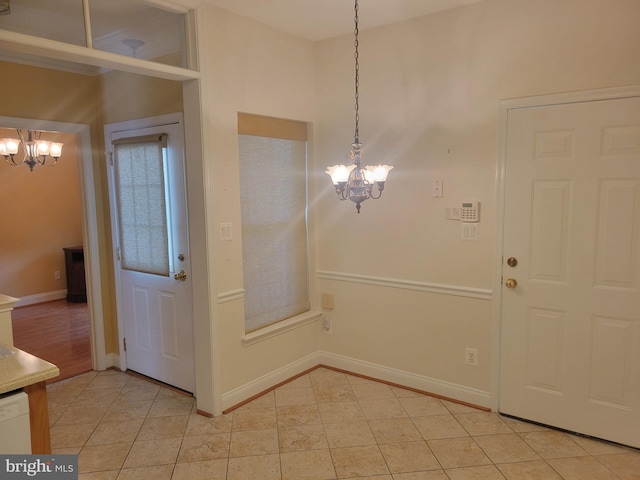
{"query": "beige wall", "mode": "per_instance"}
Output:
(429, 102)
(41, 214)
(128, 96)
(246, 67)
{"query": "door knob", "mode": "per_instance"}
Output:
(181, 275)
(511, 283)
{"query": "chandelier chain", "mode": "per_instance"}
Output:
(357, 80)
(357, 182)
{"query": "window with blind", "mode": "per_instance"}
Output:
(273, 194)
(140, 189)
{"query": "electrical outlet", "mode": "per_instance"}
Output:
(471, 356)
(226, 232)
(56, 274)
(327, 328)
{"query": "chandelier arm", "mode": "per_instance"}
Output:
(25, 156)
(43, 161)
(21, 135)
(375, 197)
(12, 161)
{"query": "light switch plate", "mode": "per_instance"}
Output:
(437, 189)
(469, 231)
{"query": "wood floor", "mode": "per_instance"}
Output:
(55, 331)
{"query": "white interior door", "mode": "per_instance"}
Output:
(150, 236)
(571, 326)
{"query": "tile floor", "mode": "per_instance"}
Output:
(324, 425)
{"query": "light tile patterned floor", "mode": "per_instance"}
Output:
(324, 425)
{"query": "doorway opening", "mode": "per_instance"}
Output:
(93, 313)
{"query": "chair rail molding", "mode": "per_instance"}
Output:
(438, 288)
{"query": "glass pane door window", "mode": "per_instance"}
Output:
(140, 189)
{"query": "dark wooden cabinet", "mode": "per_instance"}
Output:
(74, 264)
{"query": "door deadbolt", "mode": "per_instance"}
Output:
(512, 261)
(181, 257)
(181, 275)
(511, 283)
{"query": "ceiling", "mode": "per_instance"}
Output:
(322, 19)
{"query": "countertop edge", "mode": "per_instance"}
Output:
(22, 369)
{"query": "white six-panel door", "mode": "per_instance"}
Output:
(155, 310)
(570, 334)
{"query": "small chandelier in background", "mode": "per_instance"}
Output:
(355, 182)
(35, 150)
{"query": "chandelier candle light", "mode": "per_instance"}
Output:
(35, 150)
(355, 182)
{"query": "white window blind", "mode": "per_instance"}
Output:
(273, 192)
(140, 194)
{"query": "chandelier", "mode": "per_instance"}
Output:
(355, 182)
(35, 151)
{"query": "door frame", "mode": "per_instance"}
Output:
(130, 125)
(90, 235)
(505, 107)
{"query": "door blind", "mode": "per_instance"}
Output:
(139, 174)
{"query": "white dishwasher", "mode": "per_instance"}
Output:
(15, 435)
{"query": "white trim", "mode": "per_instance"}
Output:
(457, 290)
(170, 6)
(442, 388)
(91, 249)
(280, 327)
(505, 107)
(231, 295)
(450, 390)
(41, 298)
(50, 49)
(569, 97)
(261, 384)
(149, 122)
(112, 360)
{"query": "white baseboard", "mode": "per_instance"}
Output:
(112, 360)
(450, 390)
(259, 385)
(41, 298)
